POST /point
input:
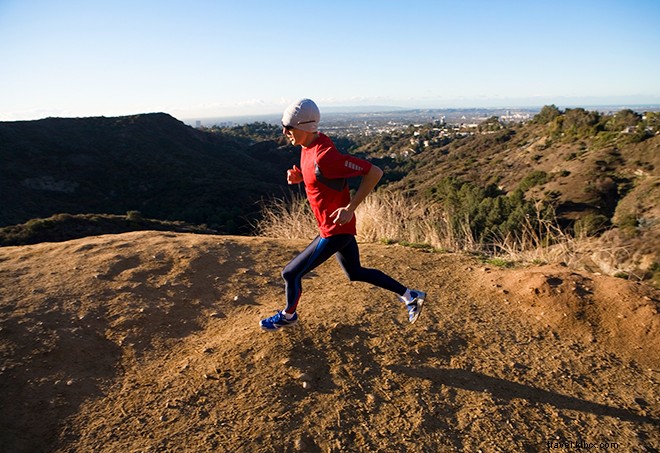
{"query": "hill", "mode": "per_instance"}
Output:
(591, 173)
(151, 163)
(591, 176)
(598, 174)
(149, 341)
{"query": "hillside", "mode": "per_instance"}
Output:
(151, 163)
(592, 176)
(599, 174)
(149, 341)
(584, 175)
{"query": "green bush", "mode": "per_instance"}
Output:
(654, 270)
(134, 216)
(592, 224)
(535, 178)
(547, 114)
(576, 124)
(490, 213)
(63, 227)
(623, 119)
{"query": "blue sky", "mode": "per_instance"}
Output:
(225, 58)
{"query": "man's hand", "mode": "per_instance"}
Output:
(342, 216)
(294, 175)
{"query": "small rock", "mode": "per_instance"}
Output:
(305, 377)
(299, 444)
(306, 385)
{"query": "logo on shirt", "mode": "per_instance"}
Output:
(352, 166)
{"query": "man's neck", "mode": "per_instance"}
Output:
(311, 139)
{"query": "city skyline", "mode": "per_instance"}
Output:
(215, 59)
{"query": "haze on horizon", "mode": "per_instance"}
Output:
(221, 58)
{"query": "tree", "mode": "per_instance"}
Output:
(491, 124)
(547, 114)
(652, 121)
(580, 123)
(624, 119)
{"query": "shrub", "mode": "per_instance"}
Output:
(134, 216)
(623, 119)
(591, 225)
(654, 270)
(500, 262)
(547, 114)
(487, 212)
(576, 124)
(535, 178)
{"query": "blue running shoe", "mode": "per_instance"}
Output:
(415, 307)
(278, 321)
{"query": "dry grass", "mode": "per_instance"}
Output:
(391, 217)
(383, 217)
(287, 219)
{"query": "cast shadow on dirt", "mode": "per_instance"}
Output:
(508, 391)
(333, 367)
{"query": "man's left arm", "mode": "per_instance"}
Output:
(369, 181)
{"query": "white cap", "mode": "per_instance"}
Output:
(303, 115)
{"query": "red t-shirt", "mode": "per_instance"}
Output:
(325, 171)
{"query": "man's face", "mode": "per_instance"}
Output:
(295, 136)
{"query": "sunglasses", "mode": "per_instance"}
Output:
(289, 128)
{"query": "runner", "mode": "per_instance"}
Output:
(324, 171)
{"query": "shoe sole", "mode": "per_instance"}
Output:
(268, 329)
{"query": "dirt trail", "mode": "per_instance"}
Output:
(149, 341)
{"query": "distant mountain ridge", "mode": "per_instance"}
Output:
(151, 163)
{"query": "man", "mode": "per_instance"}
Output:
(324, 171)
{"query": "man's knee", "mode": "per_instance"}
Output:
(287, 274)
(354, 275)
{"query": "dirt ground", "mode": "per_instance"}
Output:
(149, 342)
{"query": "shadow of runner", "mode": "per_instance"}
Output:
(307, 355)
(507, 390)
